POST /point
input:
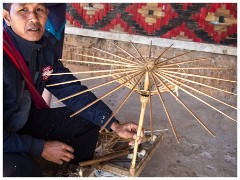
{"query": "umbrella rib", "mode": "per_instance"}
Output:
(127, 53)
(174, 57)
(150, 50)
(125, 99)
(165, 108)
(100, 63)
(157, 59)
(95, 77)
(183, 62)
(200, 92)
(197, 68)
(88, 72)
(138, 51)
(194, 82)
(200, 76)
(90, 89)
(98, 99)
(167, 78)
(150, 108)
(184, 105)
(128, 60)
(104, 59)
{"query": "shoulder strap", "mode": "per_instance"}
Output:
(18, 60)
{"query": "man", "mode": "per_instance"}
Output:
(50, 133)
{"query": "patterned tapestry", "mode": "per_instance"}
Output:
(213, 23)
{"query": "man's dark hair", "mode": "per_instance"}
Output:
(7, 6)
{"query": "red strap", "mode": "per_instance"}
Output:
(18, 60)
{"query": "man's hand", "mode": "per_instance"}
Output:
(127, 131)
(57, 152)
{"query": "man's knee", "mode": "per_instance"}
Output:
(20, 165)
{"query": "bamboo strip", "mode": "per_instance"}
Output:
(105, 59)
(184, 105)
(150, 50)
(175, 57)
(183, 62)
(200, 76)
(99, 63)
(150, 109)
(156, 60)
(128, 60)
(200, 92)
(137, 51)
(194, 82)
(198, 68)
(88, 72)
(90, 104)
(95, 87)
(125, 99)
(111, 141)
(165, 109)
(95, 77)
(197, 97)
(144, 100)
(104, 158)
(127, 53)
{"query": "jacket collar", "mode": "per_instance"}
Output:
(25, 47)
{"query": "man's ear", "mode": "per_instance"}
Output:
(6, 17)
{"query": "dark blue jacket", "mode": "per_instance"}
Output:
(40, 56)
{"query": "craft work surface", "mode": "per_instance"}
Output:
(198, 153)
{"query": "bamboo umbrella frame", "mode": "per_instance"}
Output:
(148, 76)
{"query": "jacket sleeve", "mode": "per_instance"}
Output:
(13, 142)
(98, 113)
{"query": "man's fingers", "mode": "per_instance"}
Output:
(66, 158)
(68, 148)
(69, 155)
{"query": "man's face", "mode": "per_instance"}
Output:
(27, 20)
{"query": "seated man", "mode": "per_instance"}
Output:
(30, 128)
